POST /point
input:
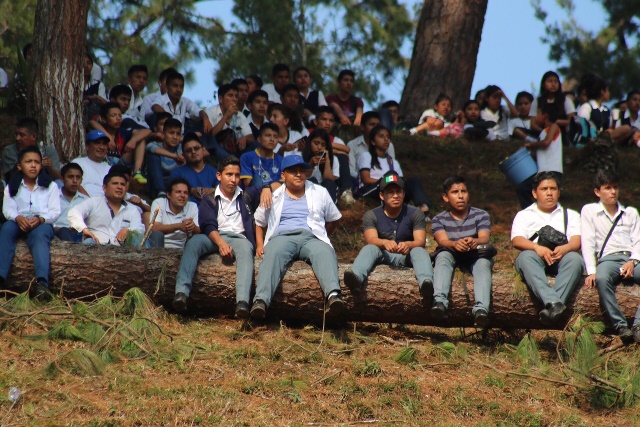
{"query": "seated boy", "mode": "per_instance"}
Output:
(258, 103)
(261, 167)
(459, 231)
(153, 98)
(121, 95)
(26, 134)
(290, 98)
(177, 218)
(347, 107)
(395, 234)
(165, 157)
(226, 220)
(522, 127)
(243, 94)
(611, 249)
(137, 77)
(200, 176)
(31, 204)
(108, 219)
(280, 77)
(69, 197)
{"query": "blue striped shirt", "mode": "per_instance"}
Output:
(457, 229)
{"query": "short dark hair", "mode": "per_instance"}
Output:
(278, 68)
(172, 124)
(604, 177)
(120, 168)
(551, 110)
(28, 123)
(137, 68)
(368, 116)
(176, 181)
(165, 73)
(174, 76)
(29, 149)
(257, 93)
(442, 97)
(238, 82)
(289, 87)
(191, 137)
(596, 87)
(227, 161)
(633, 92)
(325, 109)
(116, 174)
(104, 109)
(225, 88)
(524, 94)
(346, 73)
(542, 176)
(389, 104)
(451, 181)
(69, 166)
(256, 79)
(118, 90)
(268, 125)
(301, 68)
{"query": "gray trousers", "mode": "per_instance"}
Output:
(607, 277)
(371, 255)
(291, 246)
(443, 274)
(534, 271)
(201, 245)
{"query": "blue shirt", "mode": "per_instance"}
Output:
(168, 164)
(205, 178)
(294, 215)
(260, 169)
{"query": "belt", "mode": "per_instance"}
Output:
(626, 253)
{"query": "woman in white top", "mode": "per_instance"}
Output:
(494, 111)
(325, 169)
(290, 140)
(435, 119)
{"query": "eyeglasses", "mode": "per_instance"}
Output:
(193, 150)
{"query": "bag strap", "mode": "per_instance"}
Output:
(564, 215)
(606, 239)
(390, 162)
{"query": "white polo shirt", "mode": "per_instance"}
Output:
(176, 239)
(241, 126)
(530, 220)
(274, 96)
(185, 107)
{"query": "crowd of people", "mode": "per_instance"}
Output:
(262, 174)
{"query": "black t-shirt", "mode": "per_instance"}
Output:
(399, 228)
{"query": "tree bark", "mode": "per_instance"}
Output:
(390, 296)
(55, 74)
(444, 54)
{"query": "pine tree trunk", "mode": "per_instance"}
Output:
(444, 54)
(56, 74)
(391, 295)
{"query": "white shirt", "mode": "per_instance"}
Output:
(102, 92)
(135, 109)
(42, 201)
(550, 158)
(96, 215)
(530, 220)
(501, 129)
(229, 217)
(241, 126)
(251, 120)
(364, 162)
(335, 169)
(148, 102)
(357, 146)
(93, 174)
(274, 96)
(432, 113)
(185, 107)
(627, 115)
(176, 239)
(321, 210)
(569, 107)
(322, 102)
(294, 136)
(65, 205)
(4, 78)
(518, 122)
(585, 110)
(596, 223)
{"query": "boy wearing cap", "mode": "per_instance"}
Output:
(94, 165)
(296, 227)
(458, 233)
(395, 234)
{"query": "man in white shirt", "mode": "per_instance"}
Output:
(177, 217)
(153, 98)
(537, 259)
(108, 219)
(296, 227)
(180, 107)
(94, 166)
(611, 250)
(280, 77)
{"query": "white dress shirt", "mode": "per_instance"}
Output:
(41, 201)
(530, 220)
(96, 215)
(176, 239)
(242, 124)
(185, 107)
(596, 223)
(229, 217)
(65, 205)
(321, 210)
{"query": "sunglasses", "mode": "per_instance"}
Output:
(192, 150)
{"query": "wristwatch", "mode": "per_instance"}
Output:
(266, 186)
(634, 261)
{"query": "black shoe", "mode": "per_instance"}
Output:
(258, 310)
(625, 334)
(426, 290)
(180, 302)
(40, 292)
(481, 318)
(544, 317)
(352, 281)
(439, 311)
(242, 310)
(636, 333)
(335, 306)
(555, 310)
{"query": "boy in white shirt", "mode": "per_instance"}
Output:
(177, 218)
(69, 197)
(180, 107)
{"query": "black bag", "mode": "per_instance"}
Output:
(486, 250)
(551, 238)
(228, 140)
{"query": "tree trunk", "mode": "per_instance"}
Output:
(391, 295)
(444, 54)
(56, 76)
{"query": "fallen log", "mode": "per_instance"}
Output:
(390, 296)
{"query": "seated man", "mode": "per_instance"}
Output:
(69, 197)
(611, 250)
(297, 226)
(459, 231)
(31, 205)
(348, 108)
(27, 135)
(226, 220)
(537, 259)
(280, 77)
(93, 166)
(395, 234)
(202, 178)
(108, 219)
(177, 218)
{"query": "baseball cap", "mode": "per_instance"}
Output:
(390, 178)
(293, 160)
(95, 135)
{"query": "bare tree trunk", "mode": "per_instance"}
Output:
(55, 74)
(391, 295)
(444, 54)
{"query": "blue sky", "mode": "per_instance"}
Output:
(511, 53)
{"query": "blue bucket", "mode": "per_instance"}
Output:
(519, 166)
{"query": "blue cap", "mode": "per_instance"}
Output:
(95, 135)
(294, 160)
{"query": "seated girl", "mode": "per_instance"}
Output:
(290, 139)
(492, 110)
(598, 115)
(325, 167)
(434, 119)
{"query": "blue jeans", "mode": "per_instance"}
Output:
(371, 255)
(534, 271)
(443, 273)
(38, 241)
(291, 246)
(157, 179)
(68, 234)
(607, 277)
(201, 245)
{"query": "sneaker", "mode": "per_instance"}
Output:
(636, 333)
(439, 311)
(180, 302)
(40, 292)
(347, 197)
(426, 290)
(481, 318)
(352, 281)
(625, 334)
(335, 305)
(139, 177)
(258, 310)
(242, 310)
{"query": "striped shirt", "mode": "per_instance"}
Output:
(476, 220)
